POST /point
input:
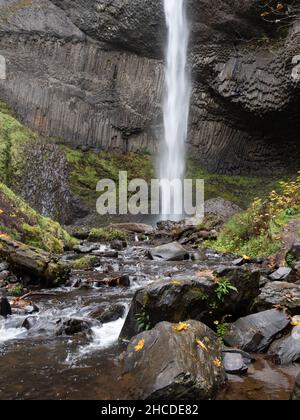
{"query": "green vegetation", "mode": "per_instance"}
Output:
(222, 329)
(20, 222)
(224, 288)
(107, 234)
(241, 190)
(257, 231)
(143, 320)
(84, 263)
(14, 137)
(17, 290)
(88, 168)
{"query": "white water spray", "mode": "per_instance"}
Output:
(176, 104)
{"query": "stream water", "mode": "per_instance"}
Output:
(37, 364)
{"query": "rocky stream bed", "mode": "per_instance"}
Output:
(70, 342)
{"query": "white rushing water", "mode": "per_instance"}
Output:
(176, 104)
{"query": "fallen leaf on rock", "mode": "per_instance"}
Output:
(182, 326)
(176, 282)
(140, 345)
(202, 345)
(217, 362)
(280, 308)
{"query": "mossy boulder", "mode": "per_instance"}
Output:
(20, 222)
(198, 298)
(40, 266)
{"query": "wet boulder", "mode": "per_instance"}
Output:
(296, 391)
(234, 363)
(254, 333)
(287, 349)
(174, 362)
(279, 293)
(110, 314)
(73, 326)
(5, 308)
(169, 252)
(195, 298)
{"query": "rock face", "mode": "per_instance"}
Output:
(181, 299)
(189, 367)
(90, 72)
(254, 333)
(279, 293)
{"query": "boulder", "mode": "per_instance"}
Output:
(169, 252)
(118, 245)
(195, 298)
(133, 227)
(254, 333)
(174, 362)
(4, 275)
(224, 209)
(73, 326)
(296, 391)
(4, 266)
(105, 315)
(287, 349)
(39, 265)
(5, 308)
(279, 293)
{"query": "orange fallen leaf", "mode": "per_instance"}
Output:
(182, 326)
(140, 345)
(217, 362)
(202, 345)
(280, 6)
(264, 14)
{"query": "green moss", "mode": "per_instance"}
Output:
(84, 263)
(241, 190)
(14, 137)
(107, 234)
(21, 222)
(88, 168)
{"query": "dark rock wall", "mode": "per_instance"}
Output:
(90, 72)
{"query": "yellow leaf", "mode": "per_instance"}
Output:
(182, 326)
(4, 236)
(217, 362)
(140, 345)
(295, 323)
(176, 282)
(202, 345)
(1, 211)
(246, 258)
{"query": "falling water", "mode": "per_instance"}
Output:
(176, 105)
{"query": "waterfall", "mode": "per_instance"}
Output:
(175, 106)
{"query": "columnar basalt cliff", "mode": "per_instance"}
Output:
(90, 73)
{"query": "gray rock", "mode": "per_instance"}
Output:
(134, 227)
(105, 315)
(85, 249)
(195, 298)
(254, 333)
(279, 293)
(287, 349)
(222, 208)
(169, 252)
(189, 367)
(74, 326)
(296, 391)
(234, 363)
(4, 266)
(4, 275)
(281, 274)
(5, 308)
